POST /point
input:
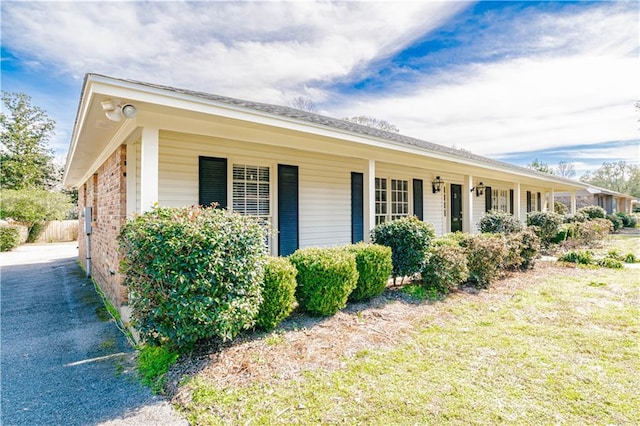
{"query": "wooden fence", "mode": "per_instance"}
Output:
(59, 231)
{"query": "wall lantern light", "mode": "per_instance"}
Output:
(479, 189)
(436, 185)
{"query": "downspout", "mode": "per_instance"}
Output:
(88, 216)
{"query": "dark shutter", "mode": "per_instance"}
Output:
(539, 202)
(212, 176)
(529, 202)
(357, 207)
(511, 201)
(287, 209)
(418, 205)
(488, 199)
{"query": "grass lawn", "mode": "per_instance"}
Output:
(556, 345)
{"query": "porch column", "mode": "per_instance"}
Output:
(149, 168)
(573, 202)
(369, 199)
(132, 163)
(552, 199)
(517, 208)
(467, 206)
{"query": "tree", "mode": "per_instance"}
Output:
(618, 176)
(540, 166)
(565, 169)
(376, 123)
(304, 104)
(26, 161)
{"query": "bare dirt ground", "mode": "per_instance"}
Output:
(304, 343)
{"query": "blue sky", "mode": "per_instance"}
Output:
(516, 81)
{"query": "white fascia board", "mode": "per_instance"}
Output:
(85, 103)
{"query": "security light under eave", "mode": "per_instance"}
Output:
(114, 111)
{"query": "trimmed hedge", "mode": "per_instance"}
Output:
(628, 220)
(193, 273)
(374, 266)
(409, 239)
(326, 277)
(616, 221)
(445, 266)
(593, 212)
(9, 237)
(499, 222)
(278, 292)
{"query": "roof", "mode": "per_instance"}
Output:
(279, 112)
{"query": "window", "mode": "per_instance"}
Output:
(399, 198)
(499, 200)
(392, 202)
(251, 194)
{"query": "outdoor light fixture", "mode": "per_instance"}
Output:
(114, 111)
(479, 189)
(436, 185)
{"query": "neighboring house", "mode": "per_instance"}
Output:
(319, 181)
(611, 201)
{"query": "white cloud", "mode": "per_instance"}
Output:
(577, 88)
(260, 50)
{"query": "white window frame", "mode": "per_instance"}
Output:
(500, 200)
(263, 195)
(392, 203)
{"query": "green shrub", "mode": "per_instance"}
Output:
(593, 212)
(193, 273)
(630, 258)
(565, 232)
(326, 277)
(614, 254)
(545, 225)
(628, 221)
(486, 255)
(409, 239)
(153, 364)
(9, 237)
(583, 257)
(560, 208)
(374, 268)
(278, 292)
(499, 222)
(445, 267)
(609, 263)
(616, 221)
(574, 218)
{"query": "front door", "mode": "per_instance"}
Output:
(456, 207)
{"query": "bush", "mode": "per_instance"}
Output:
(526, 246)
(609, 263)
(445, 267)
(630, 258)
(546, 226)
(499, 222)
(278, 292)
(628, 221)
(409, 239)
(592, 233)
(9, 237)
(374, 268)
(486, 255)
(584, 257)
(193, 273)
(560, 208)
(575, 218)
(616, 221)
(326, 277)
(593, 212)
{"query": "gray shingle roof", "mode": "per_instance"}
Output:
(334, 123)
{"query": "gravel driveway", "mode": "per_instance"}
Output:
(61, 364)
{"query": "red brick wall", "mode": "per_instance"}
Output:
(106, 193)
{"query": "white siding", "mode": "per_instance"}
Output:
(324, 181)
